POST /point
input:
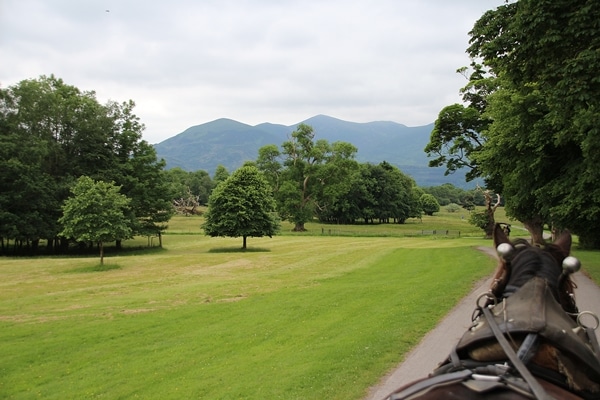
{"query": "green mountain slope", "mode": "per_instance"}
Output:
(231, 143)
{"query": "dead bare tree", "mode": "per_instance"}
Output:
(490, 209)
(187, 205)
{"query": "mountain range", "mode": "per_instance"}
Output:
(230, 143)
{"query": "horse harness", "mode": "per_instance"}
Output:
(513, 343)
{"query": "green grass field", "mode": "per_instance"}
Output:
(296, 316)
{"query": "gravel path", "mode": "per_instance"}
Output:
(438, 343)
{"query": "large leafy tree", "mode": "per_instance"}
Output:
(27, 196)
(457, 133)
(390, 193)
(429, 204)
(242, 205)
(371, 192)
(96, 212)
(136, 168)
(314, 178)
(303, 156)
(332, 202)
(221, 174)
(52, 133)
(542, 146)
(46, 143)
(307, 175)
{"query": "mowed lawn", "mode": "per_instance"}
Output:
(293, 317)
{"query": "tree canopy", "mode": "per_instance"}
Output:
(96, 212)
(534, 101)
(314, 178)
(429, 204)
(242, 205)
(52, 133)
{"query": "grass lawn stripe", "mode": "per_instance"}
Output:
(331, 335)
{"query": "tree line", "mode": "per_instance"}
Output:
(52, 134)
(307, 178)
(529, 119)
(312, 177)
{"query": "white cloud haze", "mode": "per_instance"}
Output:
(187, 62)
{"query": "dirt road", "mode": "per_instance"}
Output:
(436, 345)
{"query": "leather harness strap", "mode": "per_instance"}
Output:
(536, 388)
(429, 383)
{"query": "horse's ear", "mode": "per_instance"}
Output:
(499, 236)
(564, 242)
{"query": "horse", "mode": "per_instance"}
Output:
(527, 340)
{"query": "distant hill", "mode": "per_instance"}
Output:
(231, 143)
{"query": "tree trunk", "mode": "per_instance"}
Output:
(489, 228)
(101, 245)
(64, 245)
(244, 243)
(536, 229)
(299, 227)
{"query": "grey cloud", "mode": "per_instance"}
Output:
(186, 62)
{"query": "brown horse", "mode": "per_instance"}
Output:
(527, 341)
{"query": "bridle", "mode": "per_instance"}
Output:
(564, 285)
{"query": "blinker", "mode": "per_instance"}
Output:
(505, 251)
(571, 265)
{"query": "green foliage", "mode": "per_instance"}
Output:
(190, 189)
(268, 163)
(51, 133)
(553, 97)
(454, 139)
(479, 219)
(221, 175)
(308, 176)
(386, 194)
(429, 204)
(303, 156)
(448, 193)
(534, 107)
(336, 176)
(95, 213)
(453, 207)
(242, 205)
(320, 179)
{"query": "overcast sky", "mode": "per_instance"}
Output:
(187, 62)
